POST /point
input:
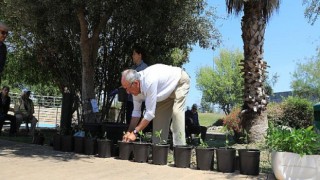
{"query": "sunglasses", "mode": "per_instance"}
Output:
(4, 32)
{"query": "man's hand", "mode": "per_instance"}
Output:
(129, 137)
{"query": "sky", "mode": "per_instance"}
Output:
(289, 39)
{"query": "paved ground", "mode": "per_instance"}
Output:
(28, 161)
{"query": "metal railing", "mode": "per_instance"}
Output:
(47, 108)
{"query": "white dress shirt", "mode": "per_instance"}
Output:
(157, 82)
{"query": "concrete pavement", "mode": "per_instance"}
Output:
(28, 161)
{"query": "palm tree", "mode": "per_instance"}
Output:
(253, 24)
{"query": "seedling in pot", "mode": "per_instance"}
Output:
(202, 142)
(227, 133)
(141, 136)
(158, 135)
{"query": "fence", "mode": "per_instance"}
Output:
(47, 109)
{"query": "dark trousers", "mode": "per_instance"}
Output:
(12, 120)
(197, 130)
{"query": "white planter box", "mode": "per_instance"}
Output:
(291, 166)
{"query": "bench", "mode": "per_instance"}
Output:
(7, 122)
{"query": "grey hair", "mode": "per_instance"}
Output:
(130, 75)
(4, 26)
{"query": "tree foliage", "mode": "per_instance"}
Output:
(84, 45)
(223, 84)
(312, 10)
(306, 79)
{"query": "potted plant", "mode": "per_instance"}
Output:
(160, 150)
(249, 159)
(141, 149)
(38, 138)
(182, 155)
(79, 141)
(295, 152)
(125, 149)
(90, 144)
(204, 156)
(104, 146)
(56, 140)
(226, 155)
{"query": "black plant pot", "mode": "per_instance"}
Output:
(141, 152)
(205, 158)
(67, 143)
(125, 150)
(79, 144)
(182, 156)
(160, 154)
(38, 139)
(90, 146)
(57, 142)
(249, 161)
(226, 159)
(104, 148)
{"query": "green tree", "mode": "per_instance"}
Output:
(256, 14)
(306, 79)
(84, 45)
(312, 10)
(222, 84)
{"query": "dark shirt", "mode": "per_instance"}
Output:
(4, 105)
(192, 119)
(3, 56)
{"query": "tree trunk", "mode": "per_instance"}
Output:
(254, 119)
(89, 44)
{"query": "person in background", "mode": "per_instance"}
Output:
(192, 123)
(24, 110)
(3, 48)
(138, 55)
(4, 108)
(164, 89)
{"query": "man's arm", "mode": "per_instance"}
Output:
(131, 136)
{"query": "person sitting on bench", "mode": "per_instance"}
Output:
(192, 123)
(24, 111)
(4, 108)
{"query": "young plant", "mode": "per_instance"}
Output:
(89, 134)
(245, 138)
(158, 135)
(202, 142)
(141, 135)
(104, 135)
(227, 133)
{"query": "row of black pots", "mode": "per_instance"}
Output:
(249, 159)
(83, 145)
(139, 152)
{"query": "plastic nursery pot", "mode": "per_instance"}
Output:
(90, 146)
(104, 148)
(67, 143)
(125, 150)
(226, 159)
(160, 154)
(78, 144)
(141, 151)
(57, 142)
(205, 158)
(182, 156)
(249, 161)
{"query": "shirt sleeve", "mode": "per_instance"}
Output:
(151, 101)
(136, 107)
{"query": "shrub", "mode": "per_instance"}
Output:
(302, 141)
(232, 120)
(275, 113)
(297, 112)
